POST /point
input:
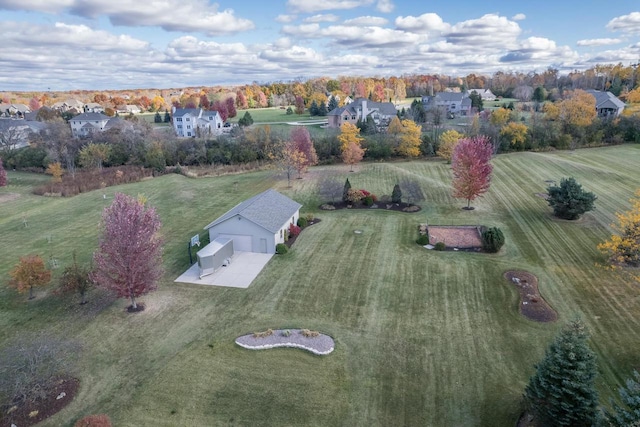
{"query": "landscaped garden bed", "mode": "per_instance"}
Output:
(312, 341)
(531, 305)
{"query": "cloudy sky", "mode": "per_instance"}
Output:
(122, 44)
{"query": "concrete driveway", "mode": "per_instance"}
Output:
(244, 268)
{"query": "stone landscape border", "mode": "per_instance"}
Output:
(320, 345)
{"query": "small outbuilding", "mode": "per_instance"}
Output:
(216, 254)
(257, 224)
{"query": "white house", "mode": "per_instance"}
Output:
(85, 124)
(257, 224)
(192, 122)
(17, 133)
(485, 94)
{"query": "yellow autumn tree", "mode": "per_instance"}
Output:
(633, 96)
(56, 171)
(551, 111)
(448, 141)
(500, 117)
(623, 249)
(410, 139)
(394, 132)
(349, 133)
(579, 109)
(29, 272)
(515, 133)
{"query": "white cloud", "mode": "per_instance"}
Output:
(627, 23)
(366, 21)
(598, 42)
(311, 6)
(368, 37)
(425, 23)
(519, 17)
(170, 15)
(385, 6)
(322, 18)
(304, 30)
(488, 31)
(285, 19)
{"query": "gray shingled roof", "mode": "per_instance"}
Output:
(385, 108)
(270, 210)
(91, 116)
(606, 99)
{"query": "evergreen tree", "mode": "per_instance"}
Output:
(246, 120)
(157, 118)
(167, 117)
(539, 94)
(569, 200)
(333, 104)
(562, 390)
(629, 413)
(476, 100)
(396, 194)
(345, 191)
(313, 109)
(322, 109)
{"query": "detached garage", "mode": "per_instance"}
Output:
(257, 224)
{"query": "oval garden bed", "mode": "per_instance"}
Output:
(531, 305)
(312, 341)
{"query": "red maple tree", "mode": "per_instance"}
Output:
(302, 142)
(3, 175)
(471, 168)
(129, 258)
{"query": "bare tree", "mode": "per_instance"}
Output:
(330, 189)
(412, 190)
(61, 146)
(12, 133)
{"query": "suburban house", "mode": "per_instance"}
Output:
(70, 105)
(85, 124)
(14, 110)
(93, 107)
(607, 104)
(485, 94)
(192, 122)
(257, 224)
(17, 133)
(455, 103)
(360, 109)
(128, 109)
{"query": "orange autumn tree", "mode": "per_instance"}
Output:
(623, 249)
(29, 272)
(56, 171)
(350, 140)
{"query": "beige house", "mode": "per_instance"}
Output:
(360, 109)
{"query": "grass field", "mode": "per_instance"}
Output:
(422, 337)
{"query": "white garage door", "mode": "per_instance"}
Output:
(241, 242)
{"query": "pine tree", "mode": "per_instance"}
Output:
(396, 194)
(569, 200)
(629, 413)
(333, 104)
(345, 191)
(562, 391)
(313, 109)
(157, 118)
(167, 117)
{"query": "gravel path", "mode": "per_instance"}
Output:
(320, 345)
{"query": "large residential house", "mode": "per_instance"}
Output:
(93, 107)
(85, 124)
(485, 94)
(14, 110)
(128, 109)
(70, 105)
(455, 103)
(17, 133)
(607, 104)
(360, 109)
(192, 122)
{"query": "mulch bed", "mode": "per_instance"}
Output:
(320, 345)
(398, 207)
(461, 237)
(46, 407)
(531, 305)
(137, 309)
(291, 240)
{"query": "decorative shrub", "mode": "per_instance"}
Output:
(440, 246)
(327, 207)
(294, 230)
(492, 239)
(423, 240)
(368, 200)
(412, 208)
(302, 222)
(345, 190)
(354, 196)
(396, 195)
(286, 333)
(281, 249)
(310, 217)
(309, 334)
(264, 334)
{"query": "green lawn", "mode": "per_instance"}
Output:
(422, 337)
(272, 114)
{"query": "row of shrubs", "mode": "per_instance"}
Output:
(93, 179)
(492, 240)
(294, 231)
